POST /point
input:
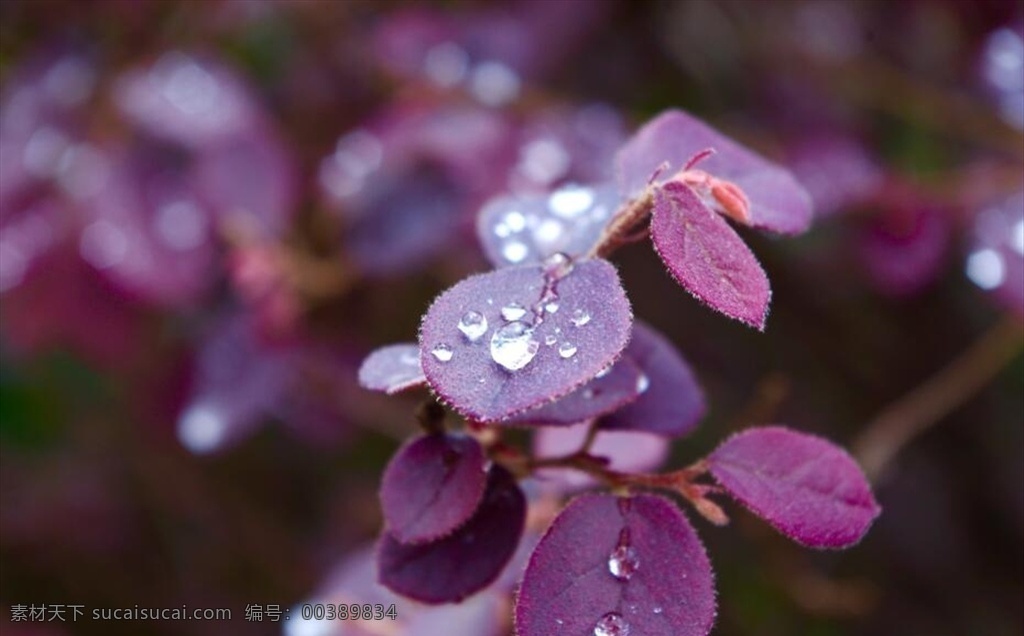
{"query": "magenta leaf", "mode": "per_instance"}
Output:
(671, 402)
(611, 565)
(516, 230)
(777, 201)
(392, 368)
(806, 487)
(452, 568)
(610, 390)
(432, 486)
(497, 344)
(707, 257)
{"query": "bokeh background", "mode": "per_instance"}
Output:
(210, 212)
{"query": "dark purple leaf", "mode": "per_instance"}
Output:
(392, 369)
(626, 451)
(777, 201)
(452, 568)
(521, 229)
(617, 566)
(806, 487)
(707, 257)
(672, 402)
(432, 486)
(500, 343)
(610, 390)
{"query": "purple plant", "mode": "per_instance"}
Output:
(548, 340)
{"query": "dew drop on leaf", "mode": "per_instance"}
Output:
(551, 307)
(623, 562)
(442, 353)
(550, 339)
(514, 346)
(566, 350)
(513, 311)
(473, 325)
(580, 317)
(558, 265)
(612, 624)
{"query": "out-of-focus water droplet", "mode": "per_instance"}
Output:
(493, 83)
(580, 317)
(986, 268)
(658, 610)
(1017, 237)
(442, 353)
(103, 244)
(548, 233)
(612, 624)
(515, 251)
(514, 346)
(566, 350)
(570, 201)
(446, 64)
(513, 311)
(643, 383)
(515, 221)
(473, 325)
(181, 225)
(201, 428)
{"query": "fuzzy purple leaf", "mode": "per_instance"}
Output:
(392, 368)
(671, 402)
(520, 229)
(432, 486)
(452, 568)
(611, 565)
(707, 257)
(610, 390)
(777, 202)
(500, 343)
(806, 487)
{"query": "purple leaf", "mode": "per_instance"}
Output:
(432, 486)
(672, 402)
(626, 451)
(807, 488)
(515, 230)
(707, 257)
(611, 565)
(610, 390)
(452, 568)
(392, 368)
(497, 344)
(777, 201)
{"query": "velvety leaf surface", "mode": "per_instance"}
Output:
(521, 229)
(619, 386)
(432, 486)
(452, 568)
(392, 368)
(499, 343)
(707, 257)
(777, 201)
(672, 402)
(607, 562)
(626, 451)
(806, 487)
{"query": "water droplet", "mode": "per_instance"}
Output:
(986, 268)
(513, 346)
(515, 221)
(548, 233)
(515, 251)
(623, 562)
(588, 393)
(513, 311)
(473, 325)
(658, 610)
(558, 265)
(566, 350)
(580, 317)
(643, 383)
(603, 372)
(1017, 237)
(570, 201)
(442, 352)
(550, 339)
(551, 307)
(612, 624)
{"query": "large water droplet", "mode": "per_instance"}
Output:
(513, 346)
(442, 352)
(612, 624)
(513, 311)
(580, 317)
(473, 325)
(567, 350)
(623, 562)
